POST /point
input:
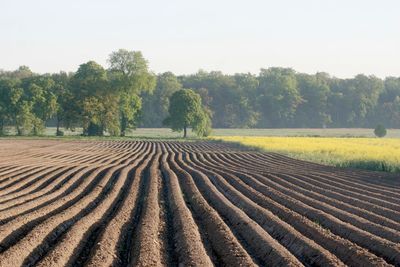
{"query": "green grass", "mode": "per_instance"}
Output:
(142, 133)
(164, 133)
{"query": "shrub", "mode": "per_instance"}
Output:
(380, 131)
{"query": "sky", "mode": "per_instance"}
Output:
(341, 37)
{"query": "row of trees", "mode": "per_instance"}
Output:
(281, 97)
(127, 94)
(98, 100)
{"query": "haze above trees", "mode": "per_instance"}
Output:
(128, 95)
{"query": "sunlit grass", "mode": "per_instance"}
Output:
(367, 153)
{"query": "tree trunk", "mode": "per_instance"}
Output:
(58, 127)
(1, 127)
(124, 125)
(184, 132)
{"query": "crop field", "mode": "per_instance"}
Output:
(381, 154)
(203, 203)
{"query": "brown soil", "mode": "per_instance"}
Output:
(165, 203)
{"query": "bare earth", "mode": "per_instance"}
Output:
(156, 203)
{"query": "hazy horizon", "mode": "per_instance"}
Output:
(341, 38)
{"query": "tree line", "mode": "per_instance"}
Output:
(282, 98)
(97, 99)
(127, 95)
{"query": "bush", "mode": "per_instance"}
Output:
(380, 131)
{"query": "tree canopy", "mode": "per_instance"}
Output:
(186, 110)
(127, 95)
(129, 76)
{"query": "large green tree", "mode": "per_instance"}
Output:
(95, 101)
(130, 76)
(38, 94)
(186, 110)
(26, 101)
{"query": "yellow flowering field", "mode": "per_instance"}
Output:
(367, 153)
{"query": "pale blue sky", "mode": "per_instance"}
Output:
(337, 36)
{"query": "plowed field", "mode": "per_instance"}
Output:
(156, 203)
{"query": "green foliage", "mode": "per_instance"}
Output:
(353, 101)
(202, 123)
(129, 106)
(108, 101)
(129, 72)
(186, 110)
(7, 100)
(44, 103)
(90, 90)
(99, 100)
(65, 111)
(129, 77)
(229, 98)
(380, 131)
(24, 119)
(127, 95)
(313, 110)
(26, 103)
(155, 104)
(278, 97)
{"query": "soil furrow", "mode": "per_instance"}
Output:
(197, 203)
